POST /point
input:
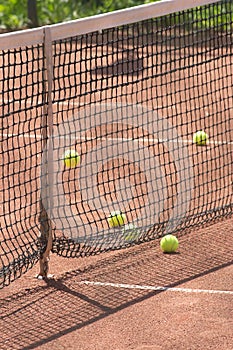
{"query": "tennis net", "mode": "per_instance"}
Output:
(126, 91)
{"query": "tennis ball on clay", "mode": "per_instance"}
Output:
(130, 232)
(71, 159)
(116, 218)
(169, 244)
(200, 138)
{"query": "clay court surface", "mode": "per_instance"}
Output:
(110, 301)
(136, 298)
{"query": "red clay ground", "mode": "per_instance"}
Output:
(65, 314)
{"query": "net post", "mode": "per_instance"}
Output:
(46, 201)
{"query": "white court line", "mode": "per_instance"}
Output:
(155, 288)
(26, 136)
(155, 140)
(122, 139)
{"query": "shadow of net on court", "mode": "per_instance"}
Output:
(37, 316)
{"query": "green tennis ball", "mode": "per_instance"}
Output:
(130, 232)
(169, 244)
(71, 159)
(200, 138)
(116, 218)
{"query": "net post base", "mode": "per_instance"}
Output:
(44, 263)
(44, 269)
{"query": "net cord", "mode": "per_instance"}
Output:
(99, 22)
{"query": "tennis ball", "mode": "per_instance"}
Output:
(71, 159)
(116, 218)
(169, 244)
(200, 138)
(130, 232)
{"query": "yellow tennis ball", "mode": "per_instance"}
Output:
(169, 244)
(200, 138)
(71, 159)
(130, 232)
(116, 218)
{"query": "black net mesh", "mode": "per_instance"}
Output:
(127, 102)
(22, 112)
